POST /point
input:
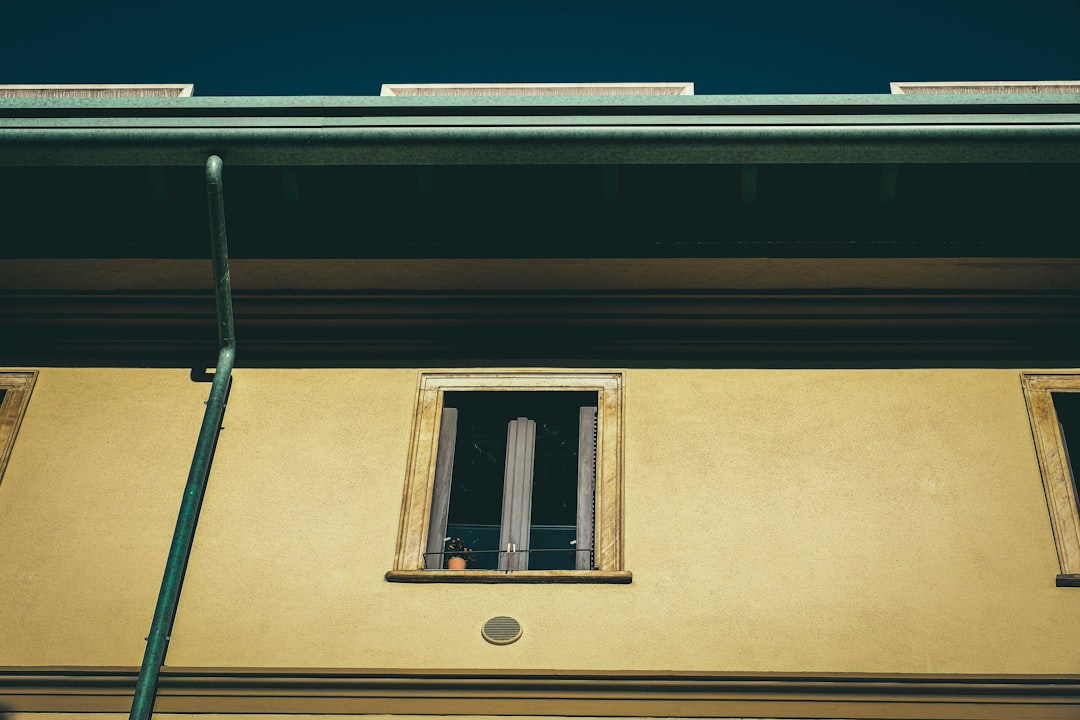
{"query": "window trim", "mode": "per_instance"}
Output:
(17, 387)
(1053, 468)
(420, 475)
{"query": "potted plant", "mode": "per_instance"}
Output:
(458, 554)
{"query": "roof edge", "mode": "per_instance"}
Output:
(591, 89)
(103, 90)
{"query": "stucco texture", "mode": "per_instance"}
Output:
(880, 521)
(869, 521)
(87, 508)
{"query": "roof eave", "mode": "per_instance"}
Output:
(667, 130)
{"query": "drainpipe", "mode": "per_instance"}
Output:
(142, 705)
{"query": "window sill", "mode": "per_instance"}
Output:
(521, 576)
(1068, 580)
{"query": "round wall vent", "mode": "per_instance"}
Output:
(501, 630)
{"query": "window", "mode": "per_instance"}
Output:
(523, 469)
(1053, 403)
(15, 390)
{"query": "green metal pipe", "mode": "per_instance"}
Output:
(157, 642)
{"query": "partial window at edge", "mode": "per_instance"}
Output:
(15, 390)
(1053, 403)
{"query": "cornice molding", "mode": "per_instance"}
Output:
(573, 693)
(1018, 328)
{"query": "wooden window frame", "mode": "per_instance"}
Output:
(420, 476)
(1054, 468)
(17, 387)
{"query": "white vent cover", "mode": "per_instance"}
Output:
(501, 630)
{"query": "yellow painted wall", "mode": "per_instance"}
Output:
(87, 508)
(776, 520)
(246, 716)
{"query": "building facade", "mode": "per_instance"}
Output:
(788, 378)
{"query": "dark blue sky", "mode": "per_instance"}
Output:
(349, 48)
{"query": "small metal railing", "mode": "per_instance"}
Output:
(440, 557)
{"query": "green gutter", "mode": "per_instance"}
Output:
(755, 129)
(323, 144)
(157, 642)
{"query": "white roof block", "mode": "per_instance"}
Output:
(95, 91)
(536, 89)
(985, 87)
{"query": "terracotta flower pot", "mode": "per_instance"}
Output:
(455, 563)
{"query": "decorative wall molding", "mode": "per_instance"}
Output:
(1003, 328)
(595, 694)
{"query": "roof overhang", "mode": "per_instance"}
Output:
(724, 307)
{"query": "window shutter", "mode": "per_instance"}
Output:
(440, 495)
(586, 497)
(1065, 447)
(517, 494)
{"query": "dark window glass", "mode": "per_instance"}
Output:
(1067, 406)
(476, 495)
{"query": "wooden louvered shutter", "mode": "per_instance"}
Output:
(440, 494)
(586, 498)
(517, 494)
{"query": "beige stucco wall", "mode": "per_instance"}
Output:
(776, 520)
(87, 507)
(262, 716)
